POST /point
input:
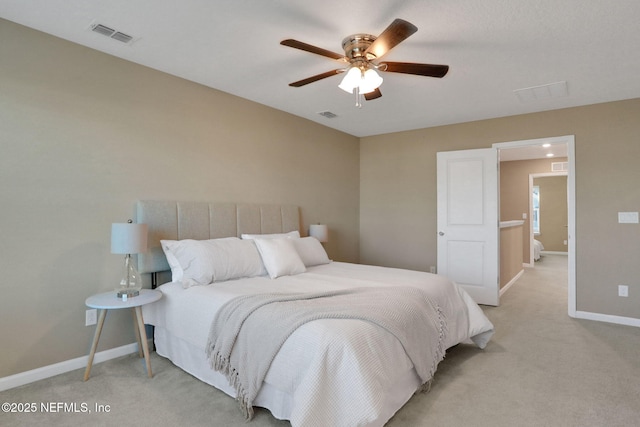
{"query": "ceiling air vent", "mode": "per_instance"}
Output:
(121, 37)
(538, 93)
(559, 166)
(327, 114)
(102, 29)
(111, 33)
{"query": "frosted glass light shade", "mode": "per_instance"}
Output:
(351, 80)
(370, 81)
(320, 232)
(366, 82)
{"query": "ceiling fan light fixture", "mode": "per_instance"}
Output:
(351, 80)
(361, 52)
(366, 82)
(370, 81)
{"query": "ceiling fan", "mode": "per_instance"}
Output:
(362, 52)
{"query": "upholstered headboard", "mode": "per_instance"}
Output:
(202, 220)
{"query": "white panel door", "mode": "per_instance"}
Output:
(468, 227)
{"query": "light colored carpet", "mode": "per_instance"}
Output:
(542, 368)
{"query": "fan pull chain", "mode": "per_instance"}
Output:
(356, 91)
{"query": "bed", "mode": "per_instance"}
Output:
(334, 370)
(537, 249)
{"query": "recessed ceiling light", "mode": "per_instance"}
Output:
(549, 154)
(547, 145)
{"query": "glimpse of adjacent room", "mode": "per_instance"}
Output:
(533, 209)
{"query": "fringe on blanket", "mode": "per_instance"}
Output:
(424, 388)
(223, 365)
(440, 352)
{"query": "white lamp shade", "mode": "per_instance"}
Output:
(319, 231)
(366, 82)
(370, 81)
(351, 80)
(128, 238)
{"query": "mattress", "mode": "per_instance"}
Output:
(340, 372)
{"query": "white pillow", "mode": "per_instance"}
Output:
(290, 235)
(280, 257)
(311, 251)
(206, 261)
(236, 259)
(176, 270)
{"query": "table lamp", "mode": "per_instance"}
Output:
(320, 232)
(129, 238)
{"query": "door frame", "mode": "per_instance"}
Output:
(569, 140)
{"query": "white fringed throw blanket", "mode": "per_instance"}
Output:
(248, 331)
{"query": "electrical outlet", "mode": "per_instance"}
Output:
(623, 290)
(432, 269)
(91, 317)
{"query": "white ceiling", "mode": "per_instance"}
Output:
(493, 47)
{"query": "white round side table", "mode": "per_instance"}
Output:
(109, 301)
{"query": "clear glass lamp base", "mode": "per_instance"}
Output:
(127, 294)
(131, 282)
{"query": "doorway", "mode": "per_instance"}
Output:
(563, 142)
(548, 214)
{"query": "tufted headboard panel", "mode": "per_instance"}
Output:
(171, 220)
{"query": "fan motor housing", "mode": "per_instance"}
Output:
(355, 45)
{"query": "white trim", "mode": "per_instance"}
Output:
(554, 253)
(49, 371)
(609, 318)
(571, 211)
(511, 282)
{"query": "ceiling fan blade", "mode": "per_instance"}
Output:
(310, 48)
(315, 78)
(373, 95)
(429, 70)
(393, 35)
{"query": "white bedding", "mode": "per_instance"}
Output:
(326, 373)
(537, 248)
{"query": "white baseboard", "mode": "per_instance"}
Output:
(38, 374)
(554, 253)
(619, 320)
(511, 282)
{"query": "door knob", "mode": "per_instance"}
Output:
(441, 233)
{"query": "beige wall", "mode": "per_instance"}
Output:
(553, 212)
(514, 193)
(84, 135)
(398, 194)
